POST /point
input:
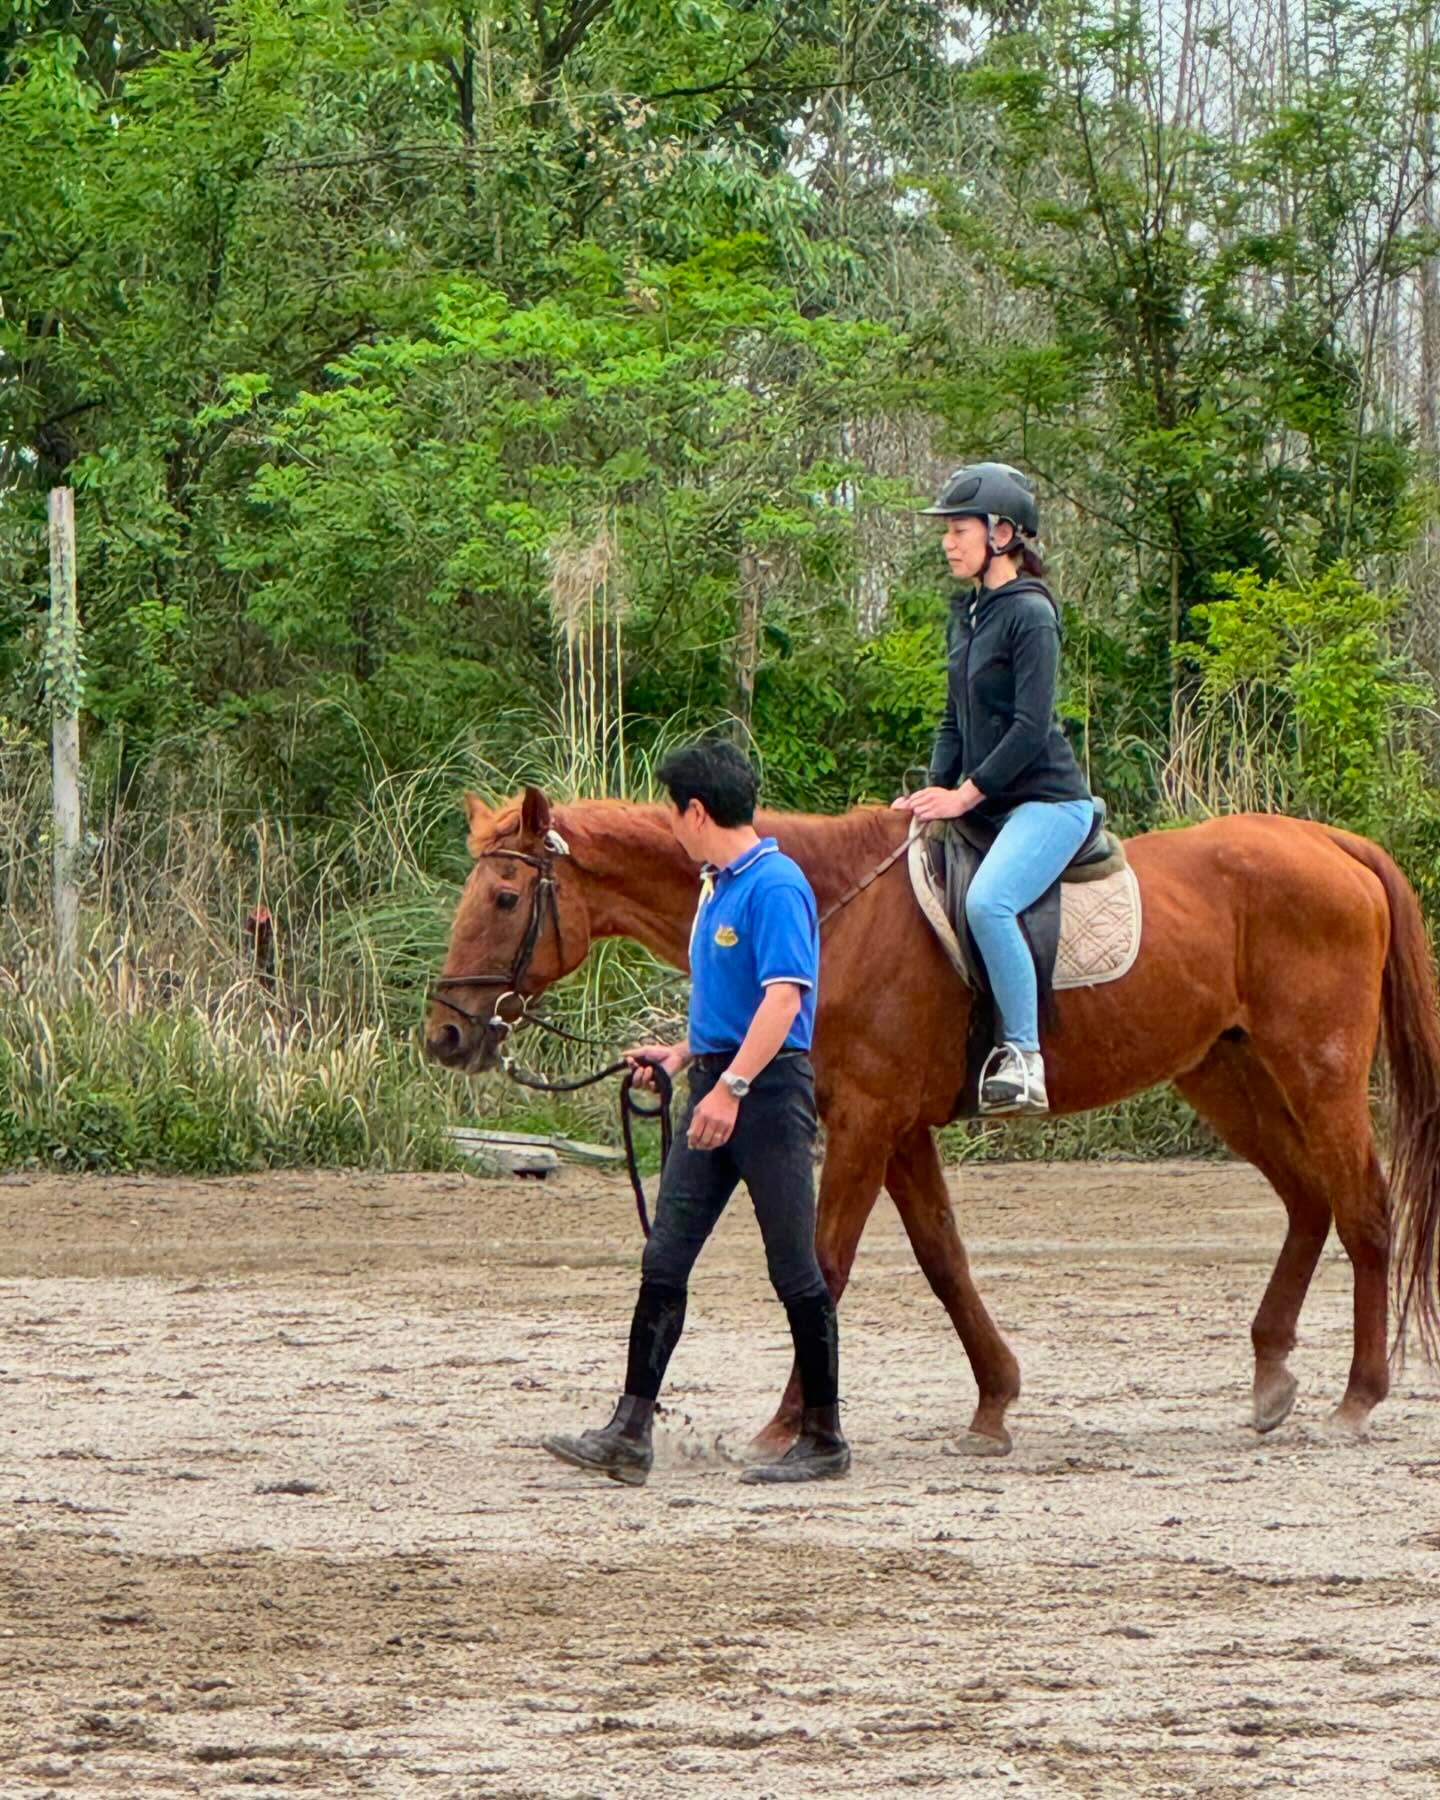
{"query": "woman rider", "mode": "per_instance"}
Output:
(1000, 754)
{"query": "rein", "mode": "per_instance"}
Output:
(544, 905)
(853, 893)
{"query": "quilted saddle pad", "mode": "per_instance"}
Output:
(1099, 922)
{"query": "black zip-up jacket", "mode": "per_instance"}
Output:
(999, 725)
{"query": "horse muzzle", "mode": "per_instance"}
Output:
(469, 1049)
(471, 1042)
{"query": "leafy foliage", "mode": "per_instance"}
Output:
(1301, 675)
(512, 387)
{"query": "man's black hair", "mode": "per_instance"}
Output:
(717, 774)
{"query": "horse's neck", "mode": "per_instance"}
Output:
(641, 885)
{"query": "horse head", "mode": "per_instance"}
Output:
(521, 924)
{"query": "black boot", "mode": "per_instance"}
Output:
(620, 1449)
(820, 1453)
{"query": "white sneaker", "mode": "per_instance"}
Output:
(1013, 1081)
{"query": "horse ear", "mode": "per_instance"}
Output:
(480, 819)
(534, 813)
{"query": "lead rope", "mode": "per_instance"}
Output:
(630, 1110)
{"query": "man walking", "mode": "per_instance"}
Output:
(754, 965)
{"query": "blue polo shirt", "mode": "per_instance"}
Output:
(756, 924)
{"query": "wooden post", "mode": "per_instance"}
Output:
(63, 680)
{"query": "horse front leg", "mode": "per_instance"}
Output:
(917, 1186)
(857, 1148)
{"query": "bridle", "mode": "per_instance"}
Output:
(543, 905)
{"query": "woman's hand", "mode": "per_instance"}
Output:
(933, 803)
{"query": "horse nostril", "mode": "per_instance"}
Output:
(443, 1042)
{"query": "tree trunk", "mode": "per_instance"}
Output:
(747, 636)
(1425, 586)
(465, 94)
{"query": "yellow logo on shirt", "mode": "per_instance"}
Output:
(726, 937)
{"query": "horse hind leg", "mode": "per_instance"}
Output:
(850, 1179)
(1235, 1094)
(917, 1186)
(1363, 1222)
(1329, 1101)
(1313, 1140)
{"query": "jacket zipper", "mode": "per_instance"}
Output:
(967, 735)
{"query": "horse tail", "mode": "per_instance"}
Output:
(1412, 1046)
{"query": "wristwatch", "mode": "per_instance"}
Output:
(737, 1084)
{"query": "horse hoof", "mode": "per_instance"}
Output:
(978, 1443)
(1347, 1425)
(770, 1444)
(1275, 1401)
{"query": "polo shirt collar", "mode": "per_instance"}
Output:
(745, 860)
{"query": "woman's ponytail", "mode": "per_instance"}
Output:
(1031, 562)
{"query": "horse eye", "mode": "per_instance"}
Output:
(506, 901)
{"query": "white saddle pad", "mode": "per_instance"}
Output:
(1099, 921)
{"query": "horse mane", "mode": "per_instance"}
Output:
(631, 825)
(593, 827)
(833, 850)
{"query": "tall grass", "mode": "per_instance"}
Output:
(180, 1053)
(1153, 1124)
(192, 1086)
(1222, 758)
(177, 1051)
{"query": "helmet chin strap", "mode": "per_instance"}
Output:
(992, 549)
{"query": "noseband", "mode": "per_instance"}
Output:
(543, 905)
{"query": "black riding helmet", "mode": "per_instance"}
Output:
(991, 491)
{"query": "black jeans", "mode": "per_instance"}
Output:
(771, 1151)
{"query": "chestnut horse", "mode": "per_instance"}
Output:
(1272, 952)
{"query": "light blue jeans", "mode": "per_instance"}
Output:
(1034, 844)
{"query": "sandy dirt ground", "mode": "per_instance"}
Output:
(274, 1521)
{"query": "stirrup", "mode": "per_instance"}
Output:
(1030, 1096)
